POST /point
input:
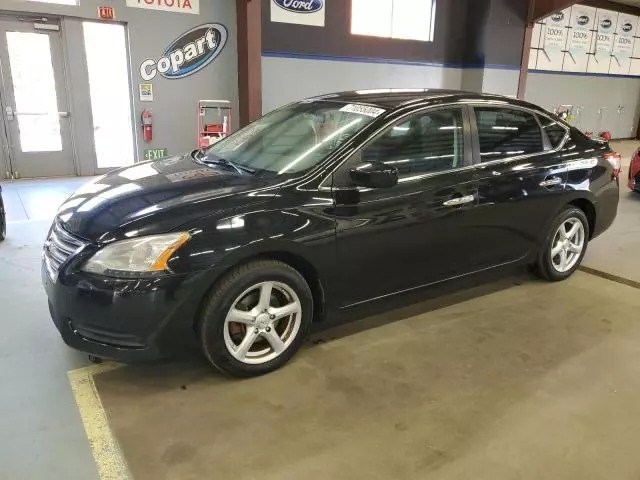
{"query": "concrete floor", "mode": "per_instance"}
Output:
(531, 381)
(42, 435)
(492, 392)
(30, 200)
(617, 251)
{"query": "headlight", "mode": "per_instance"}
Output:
(136, 256)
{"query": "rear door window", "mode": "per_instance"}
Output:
(505, 133)
(555, 131)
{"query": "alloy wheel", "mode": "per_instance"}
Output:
(262, 322)
(567, 245)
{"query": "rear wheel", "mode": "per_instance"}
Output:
(565, 245)
(256, 318)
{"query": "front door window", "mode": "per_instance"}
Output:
(427, 143)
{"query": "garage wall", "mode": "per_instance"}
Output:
(150, 32)
(591, 93)
(313, 77)
(565, 72)
(477, 46)
(493, 46)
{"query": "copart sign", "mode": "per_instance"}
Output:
(190, 52)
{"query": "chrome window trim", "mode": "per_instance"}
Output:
(470, 104)
(401, 180)
(567, 131)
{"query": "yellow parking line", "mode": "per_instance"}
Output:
(106, 452)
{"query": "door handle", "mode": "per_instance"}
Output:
(40, 114)
(459, 201)
(550, 182)
(11, 114)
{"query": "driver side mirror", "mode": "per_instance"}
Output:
(374, 175)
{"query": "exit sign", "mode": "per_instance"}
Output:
(106, 13)
(155, 153)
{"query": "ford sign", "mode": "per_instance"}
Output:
(583, 20)
(190, 52)
(557, 17)
(627, 27)
(300, 6)
(605, 23)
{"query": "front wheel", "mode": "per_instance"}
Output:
(565, 245)
(256, 318)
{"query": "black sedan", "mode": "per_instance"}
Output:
(318, 207)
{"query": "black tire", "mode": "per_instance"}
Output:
(3, 221)
(222, 298)
(544, 266)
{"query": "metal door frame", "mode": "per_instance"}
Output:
(7, 154)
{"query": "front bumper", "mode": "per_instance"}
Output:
(126, 320)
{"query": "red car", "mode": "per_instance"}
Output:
(634, 172)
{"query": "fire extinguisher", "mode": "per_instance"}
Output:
(147, 125)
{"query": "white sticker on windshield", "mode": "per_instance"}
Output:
(363, 109)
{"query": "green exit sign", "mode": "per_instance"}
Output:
(155, 153)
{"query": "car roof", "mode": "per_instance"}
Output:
(391, 98)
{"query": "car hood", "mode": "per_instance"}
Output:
(156, 197)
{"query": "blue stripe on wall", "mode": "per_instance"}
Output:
(583, 74)
(337, 58)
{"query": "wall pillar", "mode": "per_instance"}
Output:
(492, 59)
(249, 19)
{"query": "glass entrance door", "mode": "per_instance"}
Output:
(34, 103)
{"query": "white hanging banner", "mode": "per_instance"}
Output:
(623, 45)
(582, 21)
(301, 12)
(555, 34)
(604, 39)
(176, 6)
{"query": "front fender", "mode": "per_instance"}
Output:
(221, 243)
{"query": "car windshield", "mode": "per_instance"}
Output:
(292, 139)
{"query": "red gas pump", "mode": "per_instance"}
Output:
(147, 125)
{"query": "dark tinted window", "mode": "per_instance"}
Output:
(555, 131)
(427, 143)
(507, 133)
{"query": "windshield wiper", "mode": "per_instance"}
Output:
(200, 155)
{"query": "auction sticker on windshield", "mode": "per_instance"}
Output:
(367, 110)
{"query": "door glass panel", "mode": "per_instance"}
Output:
(34, 89)
(427, 143)
(555, 131)
(110, 93)
(505, 133)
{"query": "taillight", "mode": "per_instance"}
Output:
(615, 159)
